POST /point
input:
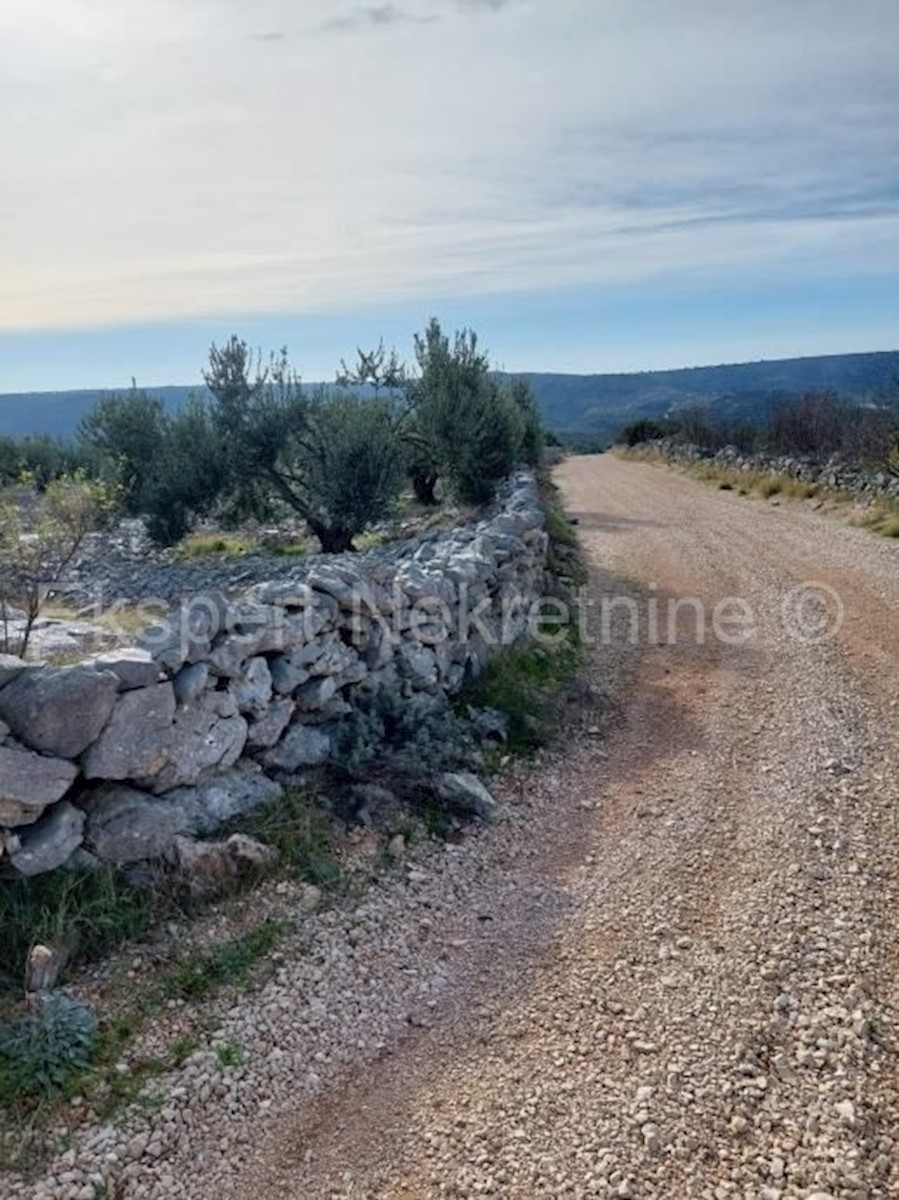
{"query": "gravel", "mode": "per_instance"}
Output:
(668, 969)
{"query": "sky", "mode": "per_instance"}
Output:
(593, 185)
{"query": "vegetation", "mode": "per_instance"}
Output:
(256, 444)
(41, 531)
(40, 1051)
(816, 424)
(226, 964)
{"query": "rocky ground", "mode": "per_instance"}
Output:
(669, 971)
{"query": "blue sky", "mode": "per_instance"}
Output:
(593, 185)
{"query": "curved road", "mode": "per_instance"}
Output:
(689, 989)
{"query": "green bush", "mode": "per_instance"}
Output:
(41, 1051)
(471, 424)
(406, 739)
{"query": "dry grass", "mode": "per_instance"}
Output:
(882, 517)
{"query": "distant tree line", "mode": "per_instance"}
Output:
(256, 444)
(817, 424)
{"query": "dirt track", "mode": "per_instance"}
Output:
(715, 1012)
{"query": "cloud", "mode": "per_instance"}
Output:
(157, 169)
(376, 16)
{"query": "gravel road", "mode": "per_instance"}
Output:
(671, 970)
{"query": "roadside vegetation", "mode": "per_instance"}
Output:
(815, 425)
(818, 428)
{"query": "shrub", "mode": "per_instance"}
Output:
(41, 1051)
(406, 739)
(40, 534)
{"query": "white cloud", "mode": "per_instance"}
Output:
(165, 159)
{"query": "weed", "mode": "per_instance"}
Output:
(184, 1048)
(298, 827)
(230, 962)
(559, 528)
(230, 1055)
(769, 485)
(201, 545)
(527, 683)
(294, 549)
(96, 910)
(42, 1050)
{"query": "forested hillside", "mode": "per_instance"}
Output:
(582, 408)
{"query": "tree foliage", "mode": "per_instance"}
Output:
(40, 534)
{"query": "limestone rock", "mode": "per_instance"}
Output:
(253, 689)
(265, 731)
(29, 783)
(464, 792)
(302, 746)
(50, 841)
(59, 710)
(133, 667)
(127, 826)
(10, 667)
(207, 735)
(190, 682)
(136, 742)
(232, 794)
(209, 867)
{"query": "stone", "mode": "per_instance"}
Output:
(59, 710)
(190, 682)
(125, 825)
(489, 724)
(464, 792)
(51, 841)
(10, 667)
(334, 659)
(29, 783)
(285, 593)
(396, 847)
(208, 735)
(310, 898)
(4, 730)
(232, 794)
(136, 742)
(266, 730)
(209, 867)
(317, 692)
(287, 675)
(133, 667)
(253, 690)
(302, 746)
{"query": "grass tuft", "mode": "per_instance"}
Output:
(94, 911)
(528, 683)
(223, 965)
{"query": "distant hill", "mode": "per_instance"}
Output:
(597, 407)
(58, 413)
(581, 408)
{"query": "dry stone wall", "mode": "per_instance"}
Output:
(121, 757)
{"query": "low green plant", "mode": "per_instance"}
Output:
(42, 1050)
(528, 684)
(229, 1054)
(560, 529)
(92, 911)
(407, 740)
(228, 963)
(299, 828)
